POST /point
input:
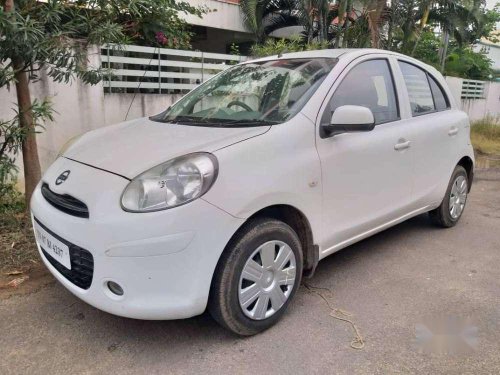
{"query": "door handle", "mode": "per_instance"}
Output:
(402, 145)
(453, 131)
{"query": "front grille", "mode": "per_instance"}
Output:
(66, 203)
(82, 263)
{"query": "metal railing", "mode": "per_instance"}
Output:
(160, 70)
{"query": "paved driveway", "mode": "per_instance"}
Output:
(390, 284)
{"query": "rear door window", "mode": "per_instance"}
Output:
(440, 99)
(419, 90)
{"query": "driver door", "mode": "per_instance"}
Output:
(367, 176)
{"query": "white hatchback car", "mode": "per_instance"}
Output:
(236, 191)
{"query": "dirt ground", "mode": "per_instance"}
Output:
(392, 285)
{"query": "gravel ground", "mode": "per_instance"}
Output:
(391, 284)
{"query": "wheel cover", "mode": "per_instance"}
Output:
(458, 197)
(267, 280)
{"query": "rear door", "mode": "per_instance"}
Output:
(438, 130)
(366, 176)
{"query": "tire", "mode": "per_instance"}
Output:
(443, 215)
(251, 247)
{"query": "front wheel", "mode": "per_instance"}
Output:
(452, 207)
(257, 277)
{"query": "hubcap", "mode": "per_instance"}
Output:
(458, 196)
(267, 280)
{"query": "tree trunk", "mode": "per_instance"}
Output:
(31, 162)
(421, 26)
(374, 14)
(8, 6)
(345, 39)
(444, 52)
(341, 8)
(32, 172)
(309, 9)
(390, 32)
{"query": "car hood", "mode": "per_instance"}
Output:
(132, 147)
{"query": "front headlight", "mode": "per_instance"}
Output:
(171, 184)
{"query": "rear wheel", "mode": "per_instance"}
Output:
(452, 207)
(257, 277)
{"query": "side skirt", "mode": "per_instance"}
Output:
(373, 231)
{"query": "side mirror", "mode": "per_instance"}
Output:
(349, 119)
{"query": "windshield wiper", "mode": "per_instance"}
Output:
(190, 120)
(217, 122)
(250, 122)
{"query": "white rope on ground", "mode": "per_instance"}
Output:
(357, 342)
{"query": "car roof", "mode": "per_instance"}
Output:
(343, 53)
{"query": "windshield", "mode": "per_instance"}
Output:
(252, 94)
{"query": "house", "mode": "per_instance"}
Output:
(224, 25)
(492, 48)
(220, 27)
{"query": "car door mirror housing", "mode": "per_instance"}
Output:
(349, 119)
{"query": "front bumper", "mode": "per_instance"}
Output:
(164, 261)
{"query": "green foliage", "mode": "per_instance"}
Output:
(406, 26)
(11, 138)
(461, 62)
(53, 36)
(427, 48)
(18, 249)
(278, 46)
(10, 199)
(234, 49)
(488, 126)
(485, 135)
(465, 63)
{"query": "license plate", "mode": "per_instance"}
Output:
(58, 250)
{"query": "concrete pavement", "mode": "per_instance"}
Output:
(390, 284)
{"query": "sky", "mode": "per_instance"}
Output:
(491, 3)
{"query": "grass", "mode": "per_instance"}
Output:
(17, 244)
(485, 136)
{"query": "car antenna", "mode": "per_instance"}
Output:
(140, 83)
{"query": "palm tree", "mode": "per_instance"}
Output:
(306, 12)
(342, 11)
(426, 6)
(463, 20)
(347, 22)
(322, 11)
(376, 11)
(263, 17)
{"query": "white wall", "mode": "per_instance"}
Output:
(493, 51)
(80, 108)
(477, 108)
(224, 15)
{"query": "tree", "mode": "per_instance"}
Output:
(412, 27)
(54, 36)
(376, 12)
(262, 17)
(466, 21)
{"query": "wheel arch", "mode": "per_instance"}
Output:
(298, 221)
(467, 163)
